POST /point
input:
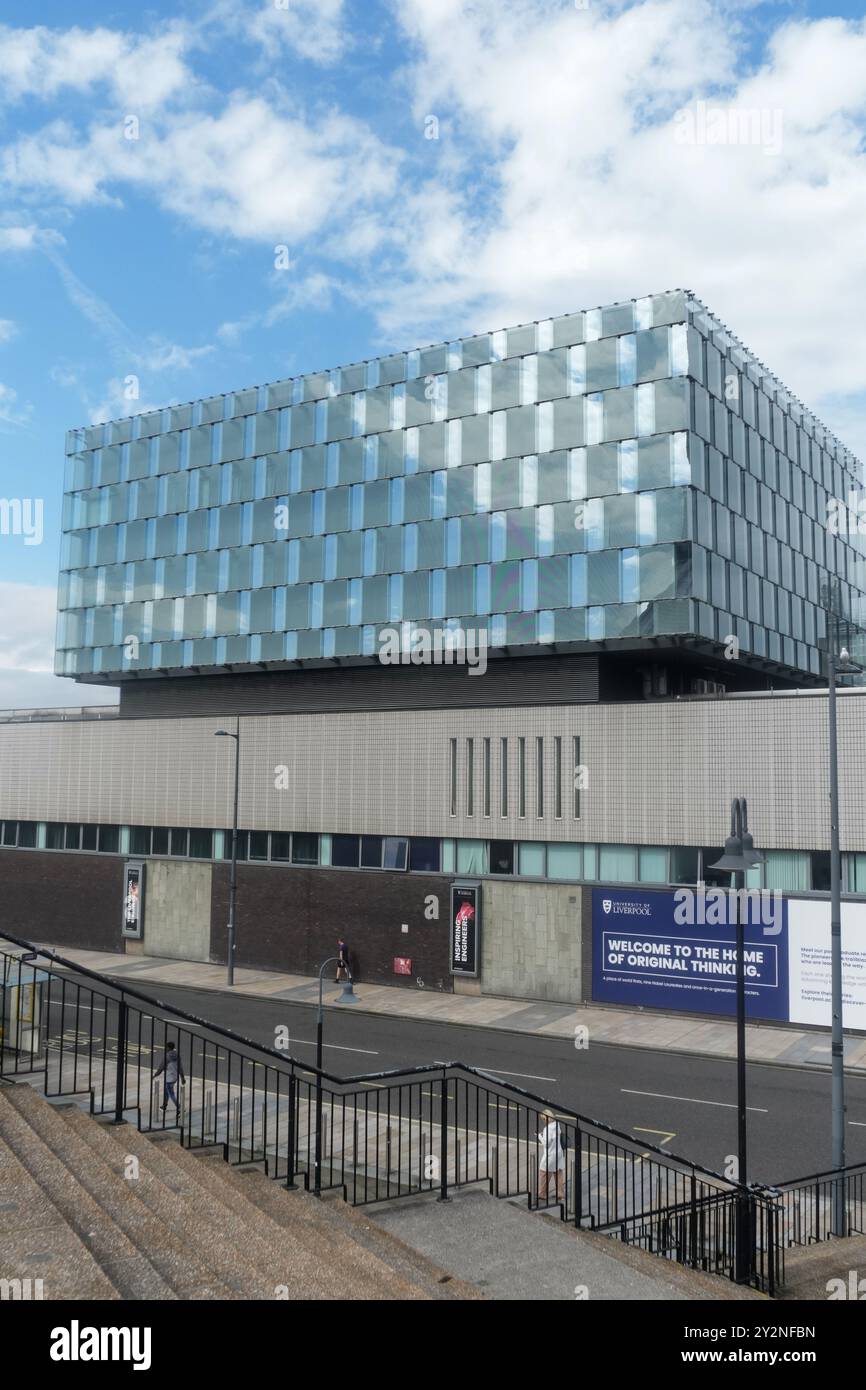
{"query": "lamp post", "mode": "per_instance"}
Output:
(347, 996)
(740, 854)
(840, 664)
(233, 881)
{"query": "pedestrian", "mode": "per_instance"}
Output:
(343, 971)
(551, 1158)
(172, 1068)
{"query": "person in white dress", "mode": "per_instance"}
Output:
(551, 1156)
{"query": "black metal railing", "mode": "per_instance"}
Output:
(811, 1207)
(373, 1137)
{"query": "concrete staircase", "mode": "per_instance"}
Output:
(102, 1212)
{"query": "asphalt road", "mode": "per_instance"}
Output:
(685, 1104)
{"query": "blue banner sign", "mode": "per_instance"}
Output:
(675, 949)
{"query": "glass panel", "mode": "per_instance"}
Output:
(305, 848)
(345, 851)
(424, 854)
(617, 863)
(472, 856)
(394, 852)
(565, 861)
(371, 851)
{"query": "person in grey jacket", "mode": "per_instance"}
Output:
(171, 1067)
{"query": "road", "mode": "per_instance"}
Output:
(685, 1104)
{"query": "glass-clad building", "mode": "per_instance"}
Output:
(621, 478)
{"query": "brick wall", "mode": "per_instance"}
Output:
(290, 919)
(64, 899)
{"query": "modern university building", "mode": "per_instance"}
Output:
(519, 613)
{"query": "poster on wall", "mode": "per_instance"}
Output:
(809, 938)
(133, 900)
(676, 950)
(465, 928)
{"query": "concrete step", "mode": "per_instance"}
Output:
(352, 1237)
(231, 1231)
(510, 1253)
(66, 1130)
(341, 1221)
(37, 1243)
(328, 1262)
(827, 1267)
(128, 1270)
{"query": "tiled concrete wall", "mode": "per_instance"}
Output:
(531, 941)
(177, 910)
(658, 773)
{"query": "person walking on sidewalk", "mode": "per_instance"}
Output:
(551, 1156)
(343, 968)
(172, 1068)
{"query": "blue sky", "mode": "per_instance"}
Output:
(560, 178)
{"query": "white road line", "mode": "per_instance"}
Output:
(527, 1076)
(692, 1100)
(861, 1124)
(337, 1047)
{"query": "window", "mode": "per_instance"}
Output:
(503, 776)
(10, 832)
(653, 865)
(684, 864)
(139, 839)
(576, 778)
(564, 861)
(305, 848)
(471, 856)
(470, 777)
(200, 844)
(424, 854)
(820, 871)
(486, 775)
(539, 777)
(394, 852)
(180, 843)
(108, 839)
(345, 851)
(617, 864)
(521, 777)
(501, 857)
(557, 778)
(532, 859)
(88, 837)
(371, 851)
(160, 840)
(281, 846)
(453, 774)
(73, 837)
(54, 835)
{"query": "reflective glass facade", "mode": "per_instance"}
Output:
(624, 473)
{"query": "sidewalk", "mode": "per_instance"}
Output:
(622, 1027)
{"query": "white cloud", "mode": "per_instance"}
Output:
(312, 28)
(139, 73)
(565, 183)
(8, 330)
(11, 413)
(27, 653)
(17, 238)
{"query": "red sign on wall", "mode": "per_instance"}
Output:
(402, 965)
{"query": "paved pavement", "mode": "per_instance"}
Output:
(670, 1033)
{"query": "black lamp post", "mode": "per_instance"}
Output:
(233, 881)
(836, 665)
(740, 854)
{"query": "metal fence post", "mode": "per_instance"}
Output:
(120, 1078)
(290, 1157)
(443, 1140)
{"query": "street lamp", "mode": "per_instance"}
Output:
(347, 996)
(740, 854)
(233, 882)
(841, 664)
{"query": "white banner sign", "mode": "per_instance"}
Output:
(809, 962)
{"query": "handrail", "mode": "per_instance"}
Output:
(816, 1177)
(291, 1062)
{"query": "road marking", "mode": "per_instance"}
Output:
(336, 1047)
(692, 1100)
(527, 1076)
(667, 1133)
(861, 1124)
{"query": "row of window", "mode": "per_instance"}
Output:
(657, 618)
(714, 358)
(788, 870)
(490, 773)
(642, 315)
